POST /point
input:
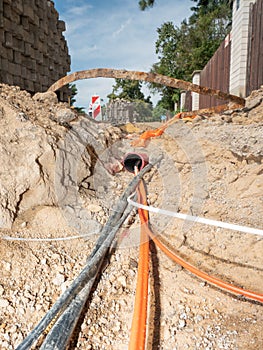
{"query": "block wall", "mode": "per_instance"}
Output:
(33, 50)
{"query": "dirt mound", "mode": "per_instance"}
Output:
(60, 177)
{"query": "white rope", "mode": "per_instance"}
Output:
(210, 222)
(9, 238)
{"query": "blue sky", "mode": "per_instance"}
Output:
(114, 34)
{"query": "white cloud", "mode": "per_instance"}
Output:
(78, 10)
(114, 34)
(121, 28)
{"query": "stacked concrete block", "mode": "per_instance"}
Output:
(34, 52)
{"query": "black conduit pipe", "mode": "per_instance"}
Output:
(132, 160)
(90, 270)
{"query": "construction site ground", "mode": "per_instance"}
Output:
(212, 167)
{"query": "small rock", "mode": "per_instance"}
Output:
(183, 316)
(5, 345)
(1, 290)
(94, 208)
(60, 268)
(6, 336)
(198, 318)
(46, 97)
(23, 225)
(65, 115)
(55, 256)
(59, 279)
(64, 286)
(4, 302)
(122, 281)
(181, 324)
(22, 117)
(7, 265)
(117, 327)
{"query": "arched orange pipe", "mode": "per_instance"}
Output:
(143, 76)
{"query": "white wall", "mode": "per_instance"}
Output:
(239, 46)
(195, 96)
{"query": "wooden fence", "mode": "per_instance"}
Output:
(255, 47)
(188, 101)
(216, 74)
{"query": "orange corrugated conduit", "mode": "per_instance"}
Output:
(147, 135)
(215, 281)
(139, 321)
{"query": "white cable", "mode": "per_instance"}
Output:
(221, 224)
(9, 238)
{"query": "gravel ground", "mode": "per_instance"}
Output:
(212, 168)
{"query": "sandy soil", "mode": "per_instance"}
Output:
(212, 168)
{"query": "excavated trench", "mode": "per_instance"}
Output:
(62, 180)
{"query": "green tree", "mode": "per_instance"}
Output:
(129, 90)
(144, 4)
(181, 50)
(144, 110)
(74, 92)
(204, 5)
(158, 111)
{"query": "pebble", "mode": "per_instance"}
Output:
(7, 336)
(183, 316)
(4, 302)
(7, 265)
(94, 208)
(60, 268)
(1, 290)
(55, 256)
(122, 281)
(181, 324)
(198, 318)
(59, 279)
(117, 326)
(64, 285)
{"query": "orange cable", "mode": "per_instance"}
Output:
(141, 141)
(138, 328)
(216, 281)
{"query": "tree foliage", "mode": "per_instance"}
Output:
(74, 92)
(129, 90)
(184, 49)
(204, 5)
(144, 4)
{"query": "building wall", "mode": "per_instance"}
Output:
(236, 67)
(34, 52)
(195, 96)
(239, 38)
(255, 48)
(120, 112)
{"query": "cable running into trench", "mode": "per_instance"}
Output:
(197, 219)
(213, 280)
(139, 321)
(47, 239)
